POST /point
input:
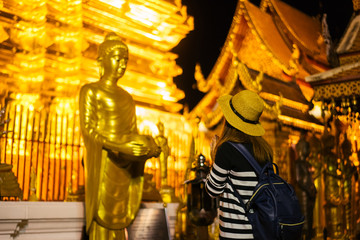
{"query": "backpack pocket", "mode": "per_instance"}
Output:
(290, 229)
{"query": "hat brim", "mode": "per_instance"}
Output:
(235, 121)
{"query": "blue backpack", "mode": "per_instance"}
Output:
(273, 210)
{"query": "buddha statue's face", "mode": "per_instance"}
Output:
(119, 59)
(115, 63)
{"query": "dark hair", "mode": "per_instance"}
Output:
(262, 150)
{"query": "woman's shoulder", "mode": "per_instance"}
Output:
(227, 146)
(236, 159)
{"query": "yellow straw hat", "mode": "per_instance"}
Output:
(243, 111)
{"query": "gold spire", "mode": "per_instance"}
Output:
(356, 4)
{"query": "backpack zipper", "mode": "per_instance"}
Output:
(261, 188)
(291, 224)
(248, 202)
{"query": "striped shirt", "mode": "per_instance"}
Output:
(230, 163)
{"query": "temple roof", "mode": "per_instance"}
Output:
(256, 56)
(350, 42)
(298, 27)
(343, 80)
(262, 26)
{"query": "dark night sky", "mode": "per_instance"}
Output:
(212, 20)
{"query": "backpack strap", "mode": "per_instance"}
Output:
(241, 201)
(242, 149)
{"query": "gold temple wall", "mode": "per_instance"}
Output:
(48, 139)
(48, 50)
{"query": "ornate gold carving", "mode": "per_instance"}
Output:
(246, 79)
(202, 84)
(356, 4)
(336, 90)
(294, 64)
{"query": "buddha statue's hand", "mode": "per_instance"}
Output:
(134, 148)
(138, 148)
(153, 149)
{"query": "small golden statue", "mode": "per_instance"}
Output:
(33, 181)
(115, 151)
(166, 191)
(162, 142)
(316, 160)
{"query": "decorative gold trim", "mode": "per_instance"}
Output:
(212, 118)
(356, 5)
(336, 90)
(229, 82)
(202, 84)
(246, 79)
(284, 101)
(274, 111)
(301, 124)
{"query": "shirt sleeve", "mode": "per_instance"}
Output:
(216, 180)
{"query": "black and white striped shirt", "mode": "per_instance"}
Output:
(230, 163)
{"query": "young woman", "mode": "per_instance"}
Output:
(242, 112)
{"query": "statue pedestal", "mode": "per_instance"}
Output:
(41, 220)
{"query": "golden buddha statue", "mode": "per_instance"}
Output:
(162, 142)
(33, 181)
(316, 160)
(115, 151)
(167, 192)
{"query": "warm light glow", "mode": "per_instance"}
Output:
(168, 98)
(285, 101)
(163, 93)
(29, 78)
(115, 3)
(148, 164)
(56, 44)
(316, 111)
(144, 125)
(161, 84)
(143, 14)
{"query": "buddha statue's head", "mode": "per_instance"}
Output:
(112, 56)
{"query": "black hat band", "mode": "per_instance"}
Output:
(240, 116)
